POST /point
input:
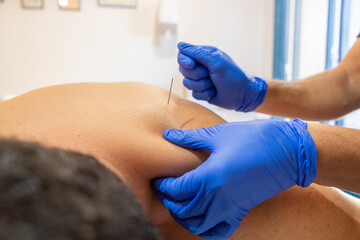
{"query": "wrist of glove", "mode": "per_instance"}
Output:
(307, 155)
(254, 94)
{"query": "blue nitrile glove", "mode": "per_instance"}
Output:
(250, 163)
(213, 76)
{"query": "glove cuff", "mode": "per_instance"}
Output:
(307, 155)
(254, 99)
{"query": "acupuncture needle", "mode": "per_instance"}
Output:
(168, 102)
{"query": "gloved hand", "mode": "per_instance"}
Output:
(250, 163)
(213, 76)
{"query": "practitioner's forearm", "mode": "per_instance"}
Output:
(338, 156)
(321, 97)
(325, 96)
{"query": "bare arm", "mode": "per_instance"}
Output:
(338, 156)
(325, 96)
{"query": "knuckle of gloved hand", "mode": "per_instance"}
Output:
(201, 85)
(199, 95)
(195, 95)
(189, 84)
(200, 72)
(183, 71)
(184, 61)
(186, 82)
(189, 73)
(217, 60)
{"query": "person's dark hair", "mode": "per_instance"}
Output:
(62, 195)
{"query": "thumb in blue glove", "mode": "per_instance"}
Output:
(250, 163)
(213, 76)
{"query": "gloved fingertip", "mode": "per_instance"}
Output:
(166, 132)
(156, 182)
(185, 61)
(188, 63)
(192, 229)
(191, 64)
(169, 205)
(160, 196)
(182, 45)
(173, 135)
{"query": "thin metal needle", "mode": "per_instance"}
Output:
(167, 106)
(172, 80)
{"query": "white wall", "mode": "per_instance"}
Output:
(51, 46)
(314, 33)
(313, 37)
(355, 22)
(244, 29)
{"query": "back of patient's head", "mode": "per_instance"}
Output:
(55, 194)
